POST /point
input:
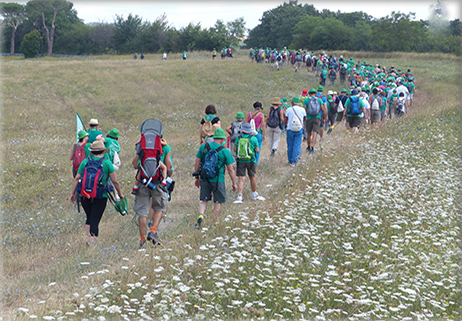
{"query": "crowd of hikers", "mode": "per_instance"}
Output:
(371, 95)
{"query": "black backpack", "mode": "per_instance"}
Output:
(274, 119)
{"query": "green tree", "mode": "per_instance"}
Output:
(126, 32)
(48, 10)
(13, 14)
(360, 38)
(102, 37)
(30, 45)
(153, 36)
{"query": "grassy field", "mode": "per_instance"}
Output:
(368, 228)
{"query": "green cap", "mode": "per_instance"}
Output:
(312, 91)
(114, 133)
(320, 88)
(82, 134)
(343, 90)
(219, 134)
(296, 100)
(240, 115)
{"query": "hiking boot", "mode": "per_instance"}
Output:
(153, 238)
(330, 130)
(135, 192)
(238, 199)
(199, 221)
(272, 152)
(142, 244)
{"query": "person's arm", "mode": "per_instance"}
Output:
(135, 161)
(168, 163)
(324, 112)
(232, 175)
(196, 168)
(72, 153)
(228, 130)
(163, 169)
(74, 187)
(116, 183)
(200, 134)
(263, 125)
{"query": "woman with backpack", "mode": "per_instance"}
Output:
(94, 195)
(274, 124)
(209, 124)
(260, 125)
(80, 151)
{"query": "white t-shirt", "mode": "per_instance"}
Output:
(301, 113)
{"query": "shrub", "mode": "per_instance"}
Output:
(30, 45)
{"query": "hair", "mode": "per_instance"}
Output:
(382, 93)
(257, 105)
(97, 153)
(81, 139)
(210, 110)
(401, 94)
(112, 137)
(375, 91)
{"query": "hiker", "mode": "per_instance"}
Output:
(355, 109)
(111, 141)
(367, 108)
(80, 151)
(401, 105)
(93, 131)
(383, 108)
(135, 56)
(319, 94)
(274, 124)
(141, 56)
(234, 130)
(246, 146)
(315, 108)
(94, 201)
(375, 101)
(214, 54)
(184, 55)
(294, 118)
(392, 98)
(411, 88)
(332, 76)
(164, 56)
(209, 124)
(213, 159)
(151, 193)
(339, 102)
(260, 125)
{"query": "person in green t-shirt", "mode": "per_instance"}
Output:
(354, 120)
(94, 207)
(184, 55)
(245, 154)
(78, 158)
(215, 186)
(93, 131)
(313, 122)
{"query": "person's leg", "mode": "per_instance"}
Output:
(86, 205)
(313, 140)
(270, 133)
(253, 183)
(308, 141)
(240, 184)
(290, 145)
(260, 141)
(276, 138)
(97, 209)
(298, 137)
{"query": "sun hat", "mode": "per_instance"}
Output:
(312, 91)
(354, 92)
(82, 134)
(285, 99)
(98, 146)
(296, 100)
(246, 128)
(343, 90)
(114, 133)
(240, 115)
(93, 122)
(330, 92)
(276, 101)
(329, 98)
(219, 134)
(335, 93)
(304, 92)
(320, 88)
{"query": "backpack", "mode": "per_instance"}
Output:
(279, 58)
(400, 104)
(274, 118)
(210, 167)
(354, 106)
(149, 150)
(296, 124)
(314, 107)
(208, 129)
(298, 58)
(79, 156)
(375, 103)
(340, 108)
(332, 108)
(332, 73)
(91, 183)
(236, 130)
(244, 153)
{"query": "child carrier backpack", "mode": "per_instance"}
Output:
(149, 150)
(354, 106)
(79, 156)
(314, 107)
(244, 153)
(210, 168)
(91, 184)
(274, 118)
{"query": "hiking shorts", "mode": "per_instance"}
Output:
(159, 200)
(375, 116)
(218, 191)
(242, 166)
(339, 117)
(298, 64)
(354, 121)
(312, 125)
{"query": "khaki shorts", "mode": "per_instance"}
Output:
(312, 125)
(159, 200)
(354, 121)
(242, 166)
(339, 117)
(375, 116)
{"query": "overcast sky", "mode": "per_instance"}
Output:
(181, 13)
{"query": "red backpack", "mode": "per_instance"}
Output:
(149, 150)
(79, 156)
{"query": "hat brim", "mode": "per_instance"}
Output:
(219, 137)
(106, 150)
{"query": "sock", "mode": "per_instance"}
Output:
(200, 216)
(332, 127)
(154, 229)
(135, 187)
(143, 238)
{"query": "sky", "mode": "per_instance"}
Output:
(181, 13)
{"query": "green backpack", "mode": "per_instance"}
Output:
(244, 153)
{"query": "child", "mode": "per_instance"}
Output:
(234, 130)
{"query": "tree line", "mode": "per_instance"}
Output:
(53, 26)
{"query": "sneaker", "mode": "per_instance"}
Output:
(199, 221)
(153, 238)
(330, 130)
(142, 244)
(308, 149)
(135, 192)
(256, 197)
(238, 199)
(272, 152)
(292, 164)
(312, 150)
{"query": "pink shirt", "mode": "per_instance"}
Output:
(257, 119)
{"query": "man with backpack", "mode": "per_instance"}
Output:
(375, 101)
(93, 131)
(234, 130)
(315, 108)
(211, 161)
(246, 147)
(274, 124)
(339, 102)
(294, 119)
(80, 151)
(355, 110)
(332, 76)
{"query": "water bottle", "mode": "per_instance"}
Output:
(149, 184)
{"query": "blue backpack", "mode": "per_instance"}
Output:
(90, 185)
(354, 106)
(210, 167)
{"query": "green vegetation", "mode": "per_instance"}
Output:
(30, 45)
(366, 229)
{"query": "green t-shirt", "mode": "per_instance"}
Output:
(253, 144)
(165, 150)
(224, 158)
(108, 168)
(348, 103)
(113, 146)
(305, 105)
(393, 98)
(411, 86)
(92, 134)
